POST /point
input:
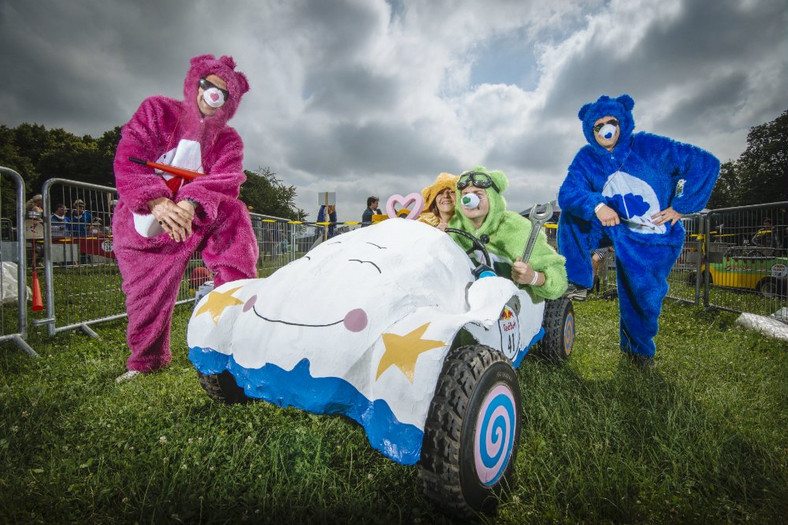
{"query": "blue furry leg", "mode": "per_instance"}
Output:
(643, 264)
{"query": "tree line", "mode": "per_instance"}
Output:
(759, 175)
(39, 154)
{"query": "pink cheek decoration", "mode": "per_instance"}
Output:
(356, 320)
(250, 303)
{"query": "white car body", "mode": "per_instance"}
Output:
(361, 326)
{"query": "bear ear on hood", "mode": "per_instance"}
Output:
(499, 178)
(626, 101)
(243, 83)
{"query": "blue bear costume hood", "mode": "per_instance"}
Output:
(620, 107)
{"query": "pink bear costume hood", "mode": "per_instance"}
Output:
(224, 68)
(161, 117)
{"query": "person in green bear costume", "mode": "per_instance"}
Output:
(483, 213)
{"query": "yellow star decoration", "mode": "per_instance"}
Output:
(403, 350)
(217, 302)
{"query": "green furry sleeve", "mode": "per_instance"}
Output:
(545, 259)
(509, 241)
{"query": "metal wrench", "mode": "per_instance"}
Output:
(537, 218)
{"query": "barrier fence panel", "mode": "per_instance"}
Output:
(282, 240)
(13, 261)
(83, 282)
(682, 281)
(745, 264)
(740, 254)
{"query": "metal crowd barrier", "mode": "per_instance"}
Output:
(740, 258)
(744, 259)
(733, 259)
(13, 260)
(82, 279)
(83, 283)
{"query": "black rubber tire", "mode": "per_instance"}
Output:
(771, 287)
(222, 387)
(476, 381)
(559, 325)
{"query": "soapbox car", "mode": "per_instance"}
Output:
(388, 326)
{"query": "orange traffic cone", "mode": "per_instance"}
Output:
(38, 301)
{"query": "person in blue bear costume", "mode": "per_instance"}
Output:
(630, 191)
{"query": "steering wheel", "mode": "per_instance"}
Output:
(476, 244)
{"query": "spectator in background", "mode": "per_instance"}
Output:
(372, 209)
(34, 213)
(765, 235)
(60, 222)
(34, 226)
(81, 219)
(599, 264)
(439, 201)
(35, 205)
(328, 214)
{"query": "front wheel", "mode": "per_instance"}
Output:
(222, 387)
(471, 433)
(559, 325)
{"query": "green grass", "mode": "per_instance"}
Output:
(702, 439)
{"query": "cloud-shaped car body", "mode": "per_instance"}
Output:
(374, 324)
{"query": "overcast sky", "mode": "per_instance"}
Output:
(364, 97)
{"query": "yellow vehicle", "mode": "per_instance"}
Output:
(751, 268)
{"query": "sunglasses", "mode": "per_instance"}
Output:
(612, 122)
(206, 85)
(479, 180)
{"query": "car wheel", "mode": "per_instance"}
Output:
(222, 387)
(559, 326)
(471, 433)
(770, 287)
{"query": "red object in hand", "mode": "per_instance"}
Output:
(172, 170)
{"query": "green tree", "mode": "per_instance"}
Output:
(266, 194)
(38, 154)
(760, 174)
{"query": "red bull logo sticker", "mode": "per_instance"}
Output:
(509, 326)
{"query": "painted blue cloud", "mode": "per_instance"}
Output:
(629, 205)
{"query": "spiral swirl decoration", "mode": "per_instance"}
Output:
(495, 430)
(569, 333)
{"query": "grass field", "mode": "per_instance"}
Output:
(701, 439)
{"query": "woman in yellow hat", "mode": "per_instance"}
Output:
(439, 201)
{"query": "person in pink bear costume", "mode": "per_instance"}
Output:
(160, 220)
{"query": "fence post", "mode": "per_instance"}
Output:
(21, 335)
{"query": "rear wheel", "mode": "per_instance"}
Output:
(471, 433)
(771, 287)
(559, 325)
(222, 387)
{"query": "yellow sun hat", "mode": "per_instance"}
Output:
(444, 181)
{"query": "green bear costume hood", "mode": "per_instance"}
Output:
(506, 233)
(497, 206)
